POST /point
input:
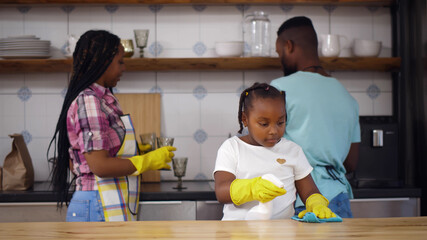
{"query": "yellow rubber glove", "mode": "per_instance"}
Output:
(153, 160)
(246, 190)
(144, 147)
(318, 205)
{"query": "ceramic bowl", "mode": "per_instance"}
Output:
(229, 49)
(366, 48)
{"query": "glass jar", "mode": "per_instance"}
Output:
(257, 34)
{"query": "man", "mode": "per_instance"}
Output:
(322, 117)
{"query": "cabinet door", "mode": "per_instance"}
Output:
(166, 210)
(209, 210)
(385, 207)
(32, 212)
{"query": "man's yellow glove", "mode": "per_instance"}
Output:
(153, 160)
(318, 205)
(246, 190)
(144, 147)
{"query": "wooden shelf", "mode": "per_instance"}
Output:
(204, 2)
(202, 64)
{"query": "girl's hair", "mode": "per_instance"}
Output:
(93, 54)
(257, 90)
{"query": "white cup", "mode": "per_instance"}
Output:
(330, 44)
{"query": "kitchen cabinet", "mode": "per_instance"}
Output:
(209, 210)
(385, 207)
(166, 210)
(31, 212)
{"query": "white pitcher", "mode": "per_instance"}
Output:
(331, 45)
(71, 45)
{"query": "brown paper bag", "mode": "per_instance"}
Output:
(18, 172)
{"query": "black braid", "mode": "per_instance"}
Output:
(262, 90)
(93, 54)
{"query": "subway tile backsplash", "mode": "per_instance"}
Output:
(199, 109)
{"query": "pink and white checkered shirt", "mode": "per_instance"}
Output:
(93, 123)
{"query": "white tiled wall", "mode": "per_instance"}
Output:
(199, 109)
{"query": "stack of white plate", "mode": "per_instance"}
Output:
(27, 46)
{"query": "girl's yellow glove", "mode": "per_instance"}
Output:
(318, 205)
(157, 159)
(246, 190)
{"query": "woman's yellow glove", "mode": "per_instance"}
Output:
(144, 147)
(246, 190)
(153, 160)
(318, 205)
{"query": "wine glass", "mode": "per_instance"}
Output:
(179, 166)
(141, 37)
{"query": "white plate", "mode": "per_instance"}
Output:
(14, 53)
(23, 53)
(22, 36)
(24, 48)
(26, 57)
(23, 42)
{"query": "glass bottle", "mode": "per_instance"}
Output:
(257, 34)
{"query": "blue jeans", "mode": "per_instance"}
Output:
(340, 205)
(85, 206)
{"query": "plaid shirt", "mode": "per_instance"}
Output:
(93, 123)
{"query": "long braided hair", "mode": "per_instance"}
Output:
(93, 54)
(257, 90)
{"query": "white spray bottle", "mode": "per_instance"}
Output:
(263, 211)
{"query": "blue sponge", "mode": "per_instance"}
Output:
(311, 218)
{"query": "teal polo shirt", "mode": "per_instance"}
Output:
(323, 118)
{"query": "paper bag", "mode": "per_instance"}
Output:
(18, 172)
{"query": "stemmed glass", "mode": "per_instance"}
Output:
(179, 167)
(162, 142)
(141, 37)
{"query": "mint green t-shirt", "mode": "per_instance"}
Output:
(323, 118)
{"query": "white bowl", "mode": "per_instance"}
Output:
(229, 49)
(366, 48)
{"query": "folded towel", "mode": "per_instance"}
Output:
(311, 218)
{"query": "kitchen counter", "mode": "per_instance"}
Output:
(351, 229)
(196, 190)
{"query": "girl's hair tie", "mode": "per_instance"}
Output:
(268, 87)
(247, 93)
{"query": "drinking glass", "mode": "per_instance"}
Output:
(149, 138)
(128, 47)
(141, 37)
(164, 141)
(179, 166)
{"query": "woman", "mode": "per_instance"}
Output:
(96, 141)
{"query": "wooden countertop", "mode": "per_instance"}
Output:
(358, 228)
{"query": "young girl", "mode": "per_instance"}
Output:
(96, 141)
(241, 161)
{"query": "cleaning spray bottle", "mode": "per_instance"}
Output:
(263, 211)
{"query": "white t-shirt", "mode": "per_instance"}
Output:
(247, 161)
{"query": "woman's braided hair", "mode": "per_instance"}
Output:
(93, 54)
(257, 90)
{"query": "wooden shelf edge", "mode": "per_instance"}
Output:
(205, 2)
(203, 64)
